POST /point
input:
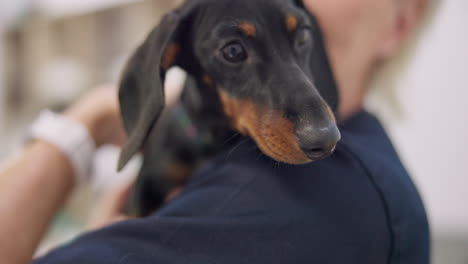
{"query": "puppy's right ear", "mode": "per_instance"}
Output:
(141, 93)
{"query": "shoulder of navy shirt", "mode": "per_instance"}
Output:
(358, 206)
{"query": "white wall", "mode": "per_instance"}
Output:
(60, 8)
(432, 137)
(2, 82)
(5, 10)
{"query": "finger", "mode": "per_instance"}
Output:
(120, 197)
(110, 206)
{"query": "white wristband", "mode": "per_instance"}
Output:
(70, 137)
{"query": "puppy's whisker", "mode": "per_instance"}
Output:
(230, 138)
(236, 147)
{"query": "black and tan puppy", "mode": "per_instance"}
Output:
(258, 69)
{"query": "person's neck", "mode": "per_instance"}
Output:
(351, 101)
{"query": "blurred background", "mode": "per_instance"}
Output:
(51, 51)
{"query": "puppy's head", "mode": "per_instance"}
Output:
(266, 61)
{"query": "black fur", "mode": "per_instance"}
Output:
(296, 81)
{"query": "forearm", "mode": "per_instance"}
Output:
(35, 185)
(32, 189)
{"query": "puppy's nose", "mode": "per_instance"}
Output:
(318, 142)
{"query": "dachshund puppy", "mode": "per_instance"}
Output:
(257, 69)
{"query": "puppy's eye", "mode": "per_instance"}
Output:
(303, 37)
(234, 53)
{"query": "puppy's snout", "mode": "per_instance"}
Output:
(318, 142)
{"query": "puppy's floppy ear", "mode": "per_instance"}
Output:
(324, 78)
(299, 3)
(141, 93)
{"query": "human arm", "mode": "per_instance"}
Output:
(35, 185)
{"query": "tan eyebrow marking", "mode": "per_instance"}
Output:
(248, 29)
(208, 81)
(291, 23)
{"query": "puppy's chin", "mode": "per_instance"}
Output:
(281, 149)
(271, 131)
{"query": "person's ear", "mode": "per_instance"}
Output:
(406, 18)
(141, 93)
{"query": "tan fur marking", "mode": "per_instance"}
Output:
(249, 29)
(273, 133)
(178, 173)
(208, 81)
(170, 56)
(291, 23)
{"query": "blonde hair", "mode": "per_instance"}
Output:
(382, 98)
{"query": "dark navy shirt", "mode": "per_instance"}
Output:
(358, 206)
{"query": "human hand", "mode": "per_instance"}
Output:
(99, 112)
(109, 209)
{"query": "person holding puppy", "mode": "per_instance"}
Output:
(357, 207)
